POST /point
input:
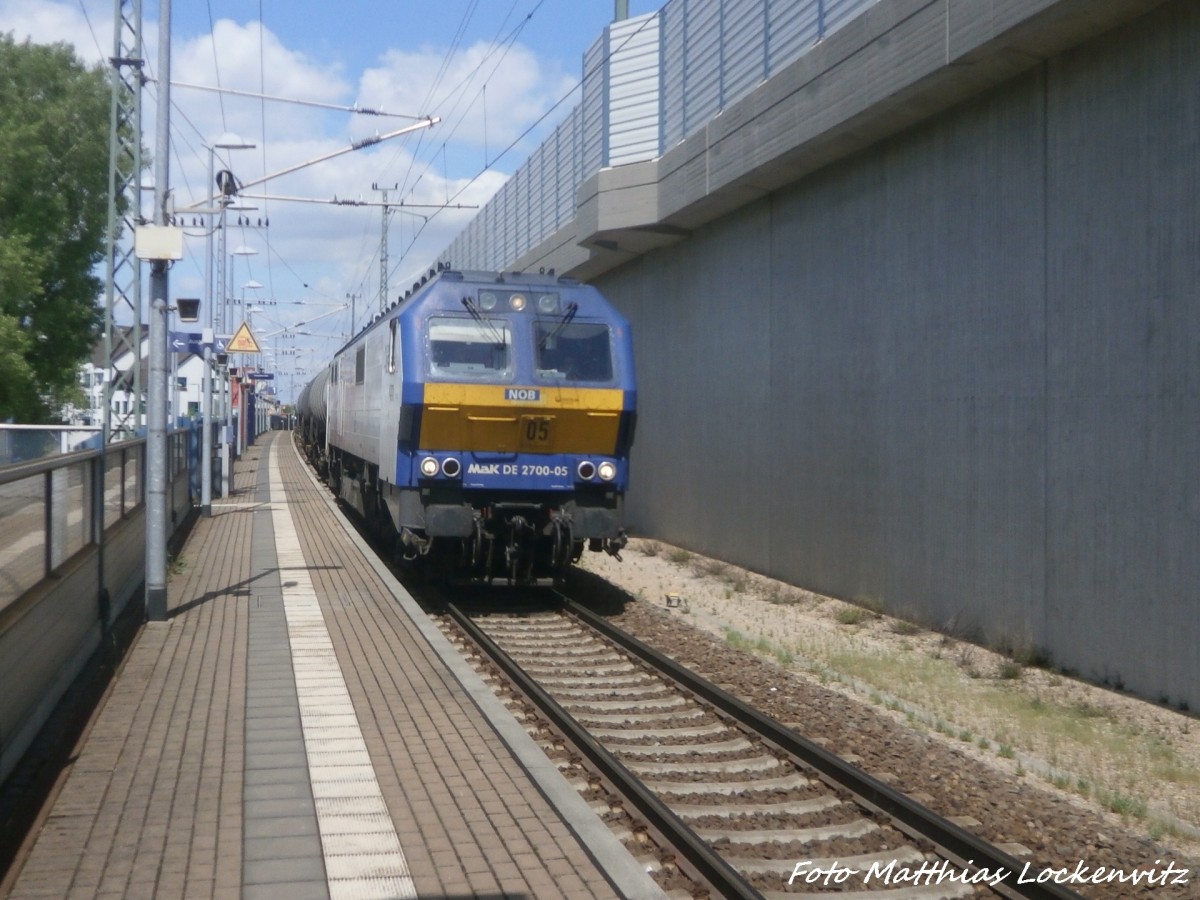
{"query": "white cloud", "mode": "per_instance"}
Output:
(486, 93)
(47, 22)
(320, 252)
(251, 59)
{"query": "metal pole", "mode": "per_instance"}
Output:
(206, 385)
(156, 443)
(206, 443)
(156, 451)
(222, 314)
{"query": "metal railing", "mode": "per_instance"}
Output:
(72, 556)
(54, 507)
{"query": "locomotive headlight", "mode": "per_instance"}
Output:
(451, 467)
(586, 470)
(429, 467)
(487, 301)
(607, 470)
(547, 304)
(517, 302)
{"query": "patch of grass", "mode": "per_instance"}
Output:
(900, 626)
(679, 556)
(852, 615)
(1122, 804)
(711, 568)
(736, 639)
(650, 548)
(735, 581)
(965, 657)
(1007, 752)
(870, 603)
(1083, 710)
(739, 641)
(1009, 670)
(780, 595)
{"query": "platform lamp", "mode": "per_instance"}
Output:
(243, 438)
(227, 189)
(188, 309)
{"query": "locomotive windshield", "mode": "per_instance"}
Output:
(573, 351)
(469, 347)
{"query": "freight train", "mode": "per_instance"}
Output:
(482, 425)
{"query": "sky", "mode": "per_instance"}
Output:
(499, 74)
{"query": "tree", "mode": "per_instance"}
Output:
(53, 219)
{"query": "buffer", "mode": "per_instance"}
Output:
(243, 341)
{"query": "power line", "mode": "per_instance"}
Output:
(488, 165)
(254, 95)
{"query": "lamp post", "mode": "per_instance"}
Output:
(242, 436)
(226, 142)
(261, 396)
(156, 423)
(228, 301)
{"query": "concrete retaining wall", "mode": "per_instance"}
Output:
(957, 373)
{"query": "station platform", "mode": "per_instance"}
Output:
(297, 728)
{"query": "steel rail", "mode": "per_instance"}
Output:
(697, 854)
(958, 844)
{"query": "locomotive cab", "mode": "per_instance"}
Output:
(511, 402)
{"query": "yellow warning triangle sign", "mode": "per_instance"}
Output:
(243, 341)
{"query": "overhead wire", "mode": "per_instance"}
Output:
(459, 90)
(212, 32)
(488, 165)
(497, 48)
(430, 93)
(486, 68)
(100, 52)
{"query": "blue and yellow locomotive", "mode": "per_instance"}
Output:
(483, 424)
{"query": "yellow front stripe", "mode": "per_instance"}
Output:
(478, 418)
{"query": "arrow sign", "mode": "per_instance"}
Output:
(193, 342)
(190, 341)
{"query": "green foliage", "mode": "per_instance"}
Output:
(852, 615)
(53, 216)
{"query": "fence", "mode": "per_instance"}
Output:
(72, 555)
(649, 82)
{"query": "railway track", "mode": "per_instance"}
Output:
(748, 807)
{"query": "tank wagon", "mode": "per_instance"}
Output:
(482, 425)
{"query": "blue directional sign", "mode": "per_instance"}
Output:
(185, 342)
(263, 376)
(193, 342)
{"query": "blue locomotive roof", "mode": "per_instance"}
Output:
(445, 290)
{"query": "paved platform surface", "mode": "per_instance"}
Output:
(295, 729)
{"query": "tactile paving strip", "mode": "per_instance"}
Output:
(363, 857)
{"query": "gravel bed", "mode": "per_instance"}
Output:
(955, 777)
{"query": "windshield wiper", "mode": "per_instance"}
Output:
(567, 316)
(485, 323)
